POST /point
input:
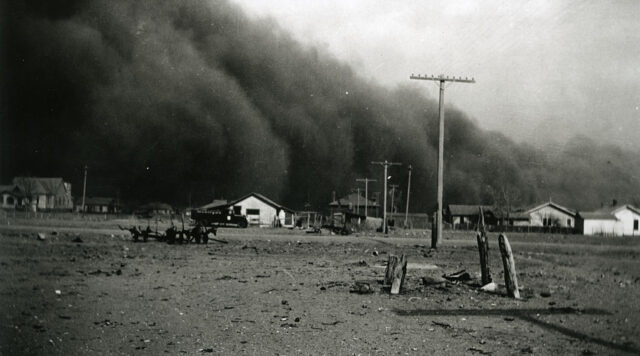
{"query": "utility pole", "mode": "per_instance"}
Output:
(386, 165)
(357, 191)
(442, 79)
(366, 192)
(84, 187)
(406, 212)
(394, 187)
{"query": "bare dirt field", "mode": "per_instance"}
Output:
(91, 290)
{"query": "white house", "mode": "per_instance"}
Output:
(551, 214)
(599, 224)
(262, 211)
(620, 220)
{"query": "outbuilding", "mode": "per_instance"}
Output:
(598, 224)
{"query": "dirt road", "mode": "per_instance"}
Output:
(266, 292)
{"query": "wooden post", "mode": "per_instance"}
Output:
(391, 266)
(434, 231)
(483, 249)
(510, 277)
(398, 275)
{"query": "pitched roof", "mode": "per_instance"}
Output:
(469, 210)
(11, 188)
(614, 209)
(553, 205)
(594, 215)
(96, 201)
(264, 199)
(39, 185)
(352, 199)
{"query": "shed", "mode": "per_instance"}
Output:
(598, 223)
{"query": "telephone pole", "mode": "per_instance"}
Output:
(394, 187)
(84, 187)
(366, 192)
(406, 212)
(357, 190)
(386, 165)
(442, 79)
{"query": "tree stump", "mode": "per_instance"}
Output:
(395, 273)
(391, 266)
(483, 249)
(510, 277)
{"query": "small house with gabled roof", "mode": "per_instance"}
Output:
(262, 211)
(552, 214)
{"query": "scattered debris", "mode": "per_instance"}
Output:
(361, 288)
(435, 280)
(41, 236)
(460, 276)
(77, 240)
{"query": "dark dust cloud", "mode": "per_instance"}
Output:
(184, 100)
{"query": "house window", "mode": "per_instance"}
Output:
(635, 224)
(10, 202)
(569, 222)
(237, 210)
(253, 211)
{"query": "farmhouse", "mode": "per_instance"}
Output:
(45, 193)
(154, 208)
(262, 211)
(354, 203)
(551, 214)
(620, 220)
(98, 205)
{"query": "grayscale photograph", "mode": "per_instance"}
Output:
(333, 177)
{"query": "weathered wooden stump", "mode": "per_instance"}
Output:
(395, 273)
(483, 249)
(434, 231)
(510, 277)
(391, 266)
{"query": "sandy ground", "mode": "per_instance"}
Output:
(285, 293)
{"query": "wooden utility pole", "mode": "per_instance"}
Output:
(406, 212)
(84, 187)
(366, 192)
(394, 187)
(442, 79)
(386, 165)
(357, 190)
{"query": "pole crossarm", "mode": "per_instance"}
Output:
(442, 78)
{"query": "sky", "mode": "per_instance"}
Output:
(545, 71)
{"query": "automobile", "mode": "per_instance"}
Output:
(219, 218)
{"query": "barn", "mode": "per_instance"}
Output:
(262, 211)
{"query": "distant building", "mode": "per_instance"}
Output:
(12, 197)
(619, 220)
(466, 216)
(45, 193)
(356, 204)
(552, 215)
(262, 211)
(155, 208)
(98, 205)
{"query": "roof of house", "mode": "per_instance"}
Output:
(11, 188)
(594, 215)
(469, 210)
(96, 201)
(614, 209)
(156, 206)
(264, 199)
(553, 205)
(39, 185)
(352, 199)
